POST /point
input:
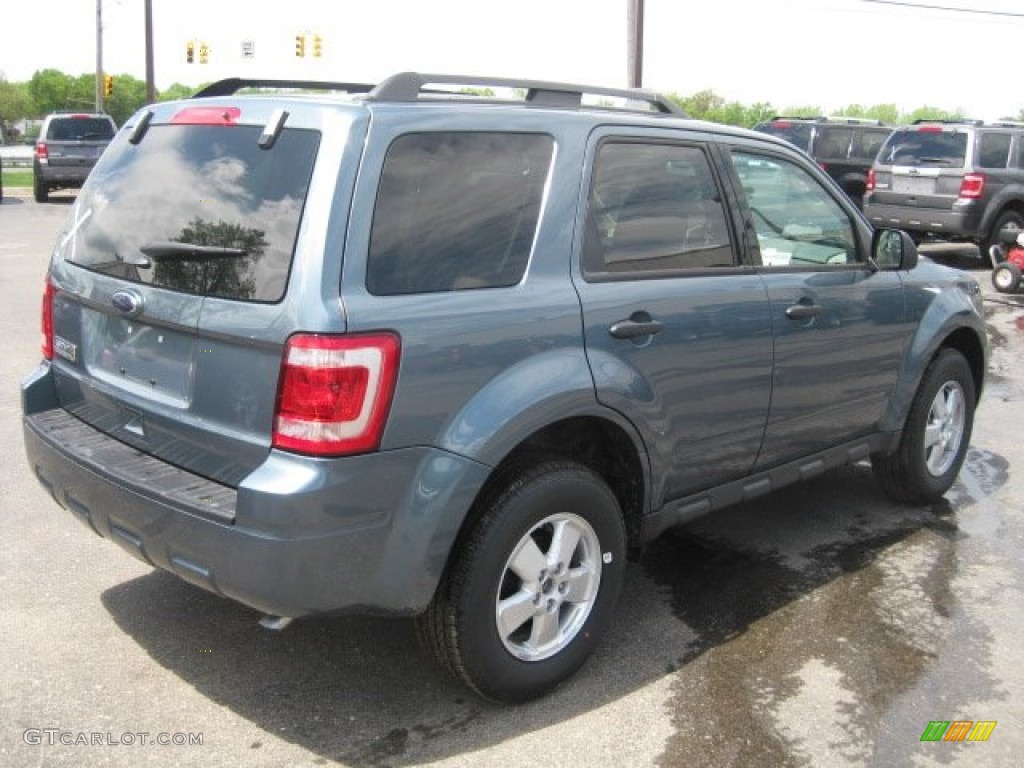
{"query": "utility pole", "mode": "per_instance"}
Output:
(634, 43)
(150, 85)
(99, 55)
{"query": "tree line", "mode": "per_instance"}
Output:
(50, 90)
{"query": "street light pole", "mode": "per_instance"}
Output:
(150, 86)
(635, 43)
(99, 55)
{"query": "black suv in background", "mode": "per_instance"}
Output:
(950, 180)
(844, 147)
(69, 145)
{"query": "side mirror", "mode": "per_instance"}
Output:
(893, 249)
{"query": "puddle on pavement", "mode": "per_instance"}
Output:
(804, 646)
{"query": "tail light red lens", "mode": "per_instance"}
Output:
(47, 319)
(870, 185)
(335, 393)
(42, 151)
(972, 186)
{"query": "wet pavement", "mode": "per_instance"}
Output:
(821, 626)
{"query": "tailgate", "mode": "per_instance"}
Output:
(173, 265)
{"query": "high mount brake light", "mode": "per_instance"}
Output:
(335, 392)
(207, 116)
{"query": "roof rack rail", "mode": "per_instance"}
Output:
(232, 85)
(845, 119)
(952, 121)
(407, 86)
(1007, 124)
(806, 118)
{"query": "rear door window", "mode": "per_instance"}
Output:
(993, 149)
(198, 209)
(456, 211)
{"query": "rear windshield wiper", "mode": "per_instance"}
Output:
(174, 250)
(936, 160)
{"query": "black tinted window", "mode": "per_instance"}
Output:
(925, 146)
(833, 141)
(456, 211)
(654, 208)
(195, 208)
(798, 134)
(993, 149)
(80, 129)
(867, 143)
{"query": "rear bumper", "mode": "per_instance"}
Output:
(299, 536)
(66, 175)
(955, 222)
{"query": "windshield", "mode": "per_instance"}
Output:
(925, 147)
(195, 208)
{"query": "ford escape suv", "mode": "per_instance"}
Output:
(67, 149)
(845, 147)
(958, 181)
(406, 351)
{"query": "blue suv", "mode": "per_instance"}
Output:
(410, 351)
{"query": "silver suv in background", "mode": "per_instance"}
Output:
(69, 145)
(844, 147)
(959, 181)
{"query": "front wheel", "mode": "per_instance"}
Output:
(533, 585)
(936, 434)
(1006, 277)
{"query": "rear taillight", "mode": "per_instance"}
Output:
(47, 319)
(335, 392)
(870, 185)
(42, 152)
(972, 186)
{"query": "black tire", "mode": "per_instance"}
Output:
(462, 626)
(1006, 277)
(41, 191)
(1008, 219)
(935, 436)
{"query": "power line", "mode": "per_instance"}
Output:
(946, 8)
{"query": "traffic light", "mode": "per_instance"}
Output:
(190, 52)
(108, 85)
(300, 46)
(204, 53)
(318, 50)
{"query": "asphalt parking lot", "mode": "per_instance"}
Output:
(823, 626)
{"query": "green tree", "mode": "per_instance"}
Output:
(932, 113)
(128, 96)
(175, 92)
(15, 103)
(51, 90)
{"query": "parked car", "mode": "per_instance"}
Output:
(413, 352)
(845, 147)
(68, 147)
(957, 181)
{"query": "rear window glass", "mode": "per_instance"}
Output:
(925, 147)
(833, 142)
(456, 211)
(867, 143)
(196, 208)
(80, 129)
(798, 134)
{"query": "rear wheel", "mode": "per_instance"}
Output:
(1008, 219)
(936, 435)
(533, 585)
(1006, 277)
(41, 191)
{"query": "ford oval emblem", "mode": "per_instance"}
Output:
(127, 303)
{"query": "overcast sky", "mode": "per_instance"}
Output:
(826, 53)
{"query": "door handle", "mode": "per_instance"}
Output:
(803, 311)
(638, 324)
